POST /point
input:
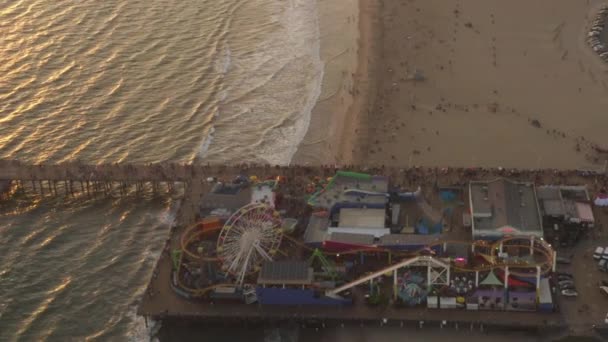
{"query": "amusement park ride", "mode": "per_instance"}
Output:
(255, 234)
(250, 236)
(256, 255)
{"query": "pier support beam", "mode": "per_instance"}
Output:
(532, 245)
(395, 285)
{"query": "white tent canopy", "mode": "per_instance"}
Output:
(601, 201)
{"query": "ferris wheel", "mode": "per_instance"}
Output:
(251, 235)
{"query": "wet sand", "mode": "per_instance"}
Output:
(347, 35)
(466, 84)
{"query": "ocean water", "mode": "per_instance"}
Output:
(133, 81)
(141, 81)
(76, 268)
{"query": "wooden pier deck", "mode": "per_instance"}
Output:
(160, 301)
(14, 170)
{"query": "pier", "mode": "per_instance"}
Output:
(188, 174)
(73, 177)
(161, 302)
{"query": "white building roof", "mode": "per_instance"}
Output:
(362, 218)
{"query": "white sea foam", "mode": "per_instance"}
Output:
(138, 331)
(299, 18)
(168, 215)
(223, 64)
(207, 139)
(278, 80)
(304, 123)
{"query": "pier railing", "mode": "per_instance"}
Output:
(15, 170)
(167, 174)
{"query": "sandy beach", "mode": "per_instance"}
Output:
(484, 83)
(347, 31)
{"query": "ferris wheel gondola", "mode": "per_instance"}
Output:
(250, 236)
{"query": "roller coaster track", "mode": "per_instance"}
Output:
(189, 235)
(544, 249)
(391, 268)
(197, 292)
(538, 246)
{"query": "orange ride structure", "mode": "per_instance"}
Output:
(225, 255)
(229, 252)
(233, 252)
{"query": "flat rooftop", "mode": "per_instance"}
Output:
(503, 207)
(409, 240)
(566, 201)
(226, 198)
(285, 272)
(362, 218)
(316, 231)
(353, 239)
(358, 188)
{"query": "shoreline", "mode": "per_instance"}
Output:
(346, 53)
(353, 145)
